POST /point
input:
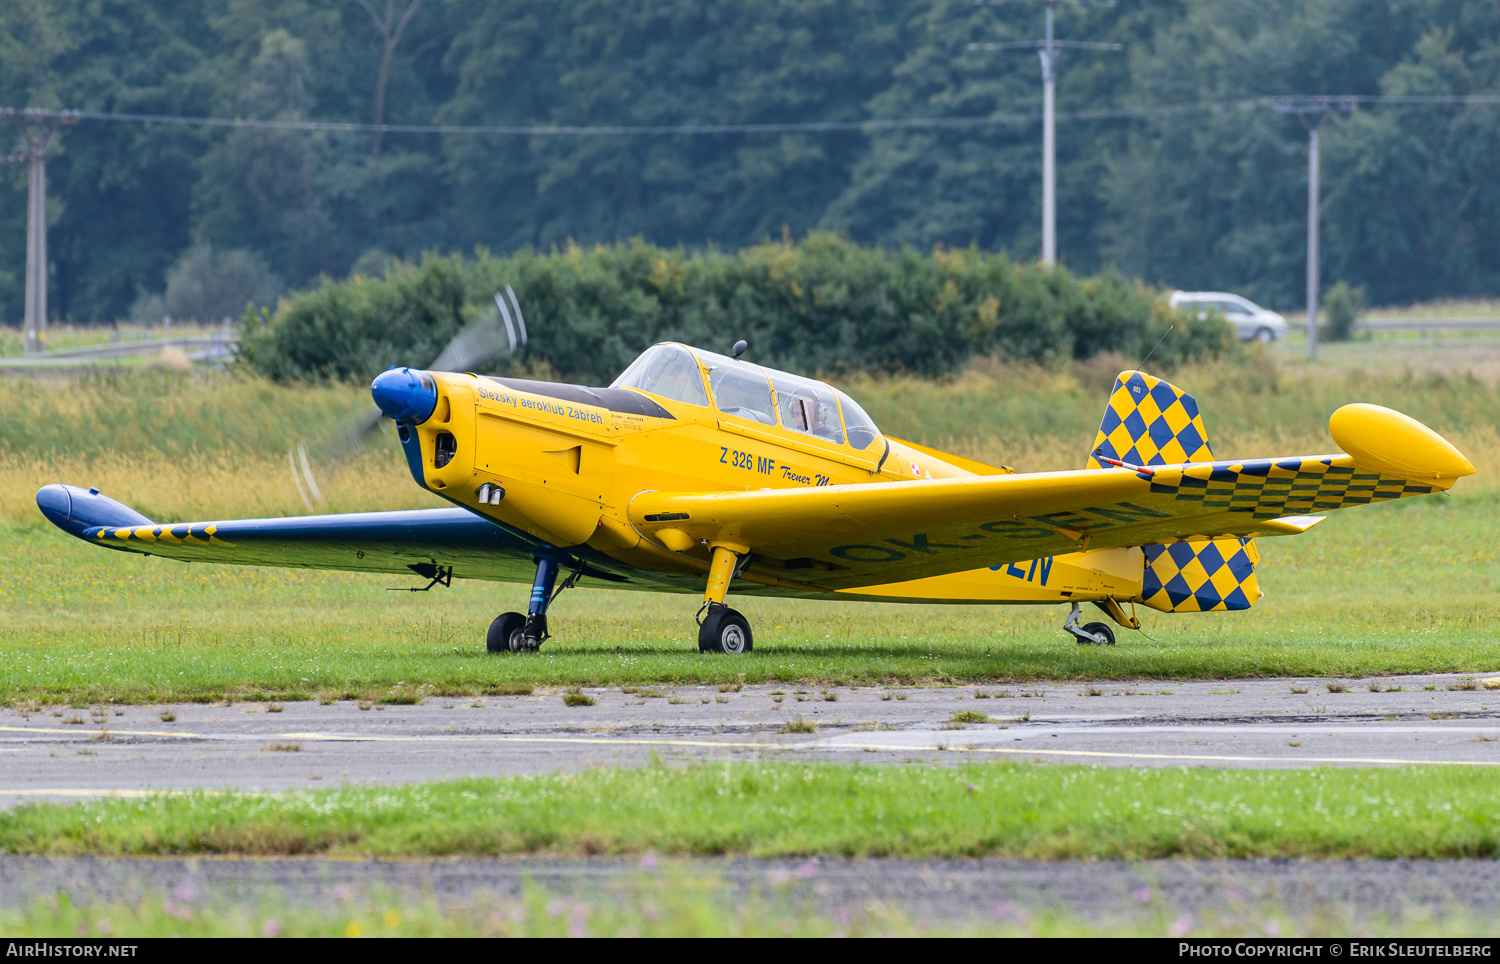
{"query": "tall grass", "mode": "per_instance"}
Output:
(1040, 419)
(193, 445)
(202, 445)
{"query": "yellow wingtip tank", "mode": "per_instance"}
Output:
(1386, 441)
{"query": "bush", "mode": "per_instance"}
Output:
(208, 285)
(1342, 307)
(824, 305)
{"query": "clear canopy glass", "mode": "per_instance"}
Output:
(808, 406)
(861, 427)
(740, 388)
(666, 370)
(743, 390)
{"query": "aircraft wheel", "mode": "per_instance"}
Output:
(505, 635)
(725, 631)
(1101, 629)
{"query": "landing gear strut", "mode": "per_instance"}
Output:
(513, 632)
(721, 629)
(1092, 634)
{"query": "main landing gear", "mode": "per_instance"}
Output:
(721, 629)
(513, 632)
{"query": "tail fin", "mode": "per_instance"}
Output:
(1149, 421)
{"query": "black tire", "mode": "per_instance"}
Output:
(1101, 629)
(505, 635)
(725, 631)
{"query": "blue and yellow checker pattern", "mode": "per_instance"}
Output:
(1270, 488)
(1200, 577)
(1150, 422)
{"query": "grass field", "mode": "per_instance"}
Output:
(768, 809)
(86, 625)
(1394, 588)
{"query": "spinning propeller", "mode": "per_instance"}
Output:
(494, 332)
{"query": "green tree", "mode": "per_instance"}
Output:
(666, 62)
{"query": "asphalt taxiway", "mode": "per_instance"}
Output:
(68, 753)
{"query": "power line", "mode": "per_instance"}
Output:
(39, 128)
(872, 124)
(1048, 49)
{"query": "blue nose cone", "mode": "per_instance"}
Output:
(405, 395)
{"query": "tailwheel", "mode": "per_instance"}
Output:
(1101, 632)
(507, 634)
(724, 630)
(1094, 634)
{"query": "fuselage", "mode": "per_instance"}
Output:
(562, 464)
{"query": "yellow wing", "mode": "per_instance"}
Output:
(849, 536)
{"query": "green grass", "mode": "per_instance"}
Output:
(1013, 810)
(1394, 588)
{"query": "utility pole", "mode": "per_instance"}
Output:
(38, 128)
(1047, 49)
(1304, 107)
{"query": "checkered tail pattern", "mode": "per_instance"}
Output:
(1149, 421)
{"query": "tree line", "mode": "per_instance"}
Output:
(1211, 198)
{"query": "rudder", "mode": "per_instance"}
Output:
(1149, 421)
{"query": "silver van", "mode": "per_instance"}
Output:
(1251, 322)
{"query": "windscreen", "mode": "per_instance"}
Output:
(861, 427)
(666, 370)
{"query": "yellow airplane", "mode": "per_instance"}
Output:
(697, 473)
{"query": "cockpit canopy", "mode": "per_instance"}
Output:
(742, 390)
